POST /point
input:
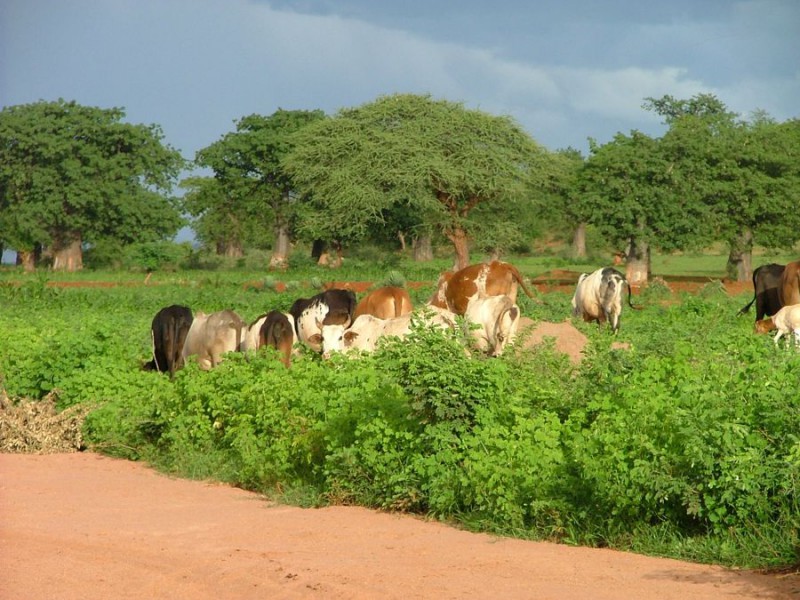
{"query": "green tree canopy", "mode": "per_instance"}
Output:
(433, 156)
(71, 174)
(259, 193)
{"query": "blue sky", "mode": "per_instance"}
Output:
(566, 70)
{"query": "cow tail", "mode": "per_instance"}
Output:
(630, 303)
(521, 281)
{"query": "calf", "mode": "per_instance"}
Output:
(598, 297)
(786, 320)
(497, 318)
(329, 307)
(385, 302)
(211, 336)
(494, 278)
(168, 332)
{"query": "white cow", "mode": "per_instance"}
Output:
(786, 321)
(211, 336)
(366, 330)
(497, 318)
(598, 297)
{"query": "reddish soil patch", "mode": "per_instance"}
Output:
(82, 526)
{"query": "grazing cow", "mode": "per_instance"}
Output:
(497, 318)
(598, 297)
(493, 278)
(366, 330)
(211, 336)
(168, 331)
(385, 303)
(766, 284)
(329, 307)
(789, 292)
(275, 329)
(786, 320)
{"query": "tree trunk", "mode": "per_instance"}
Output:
(68, 255)
(337, 261)
(318, 248)
(280, 252)
(740, 257)
(27, 260)
(402, 237)
(579, 241)
(423, 248)
(637, 258)
(461, 244)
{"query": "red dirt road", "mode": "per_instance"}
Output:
(85, 526)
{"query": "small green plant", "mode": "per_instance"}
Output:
(395, 278)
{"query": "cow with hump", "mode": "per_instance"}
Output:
(211, 336)
(168, 331)
(766, 290)
(598, 297)
(494, 278)
(331, 307)
(274, 329)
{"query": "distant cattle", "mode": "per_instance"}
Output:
(385, 303)
(786, 321)
(168, 333)
(497, 318)
(493, 278)
(598, 297)
(789, 292)
(366, 330)
(211, 336)
(327, 308)
(766, 290)
(274, 329)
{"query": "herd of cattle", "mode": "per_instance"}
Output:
(483, 294)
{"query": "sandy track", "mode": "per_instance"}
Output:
(85, 526)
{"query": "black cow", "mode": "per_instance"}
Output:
(766, 290)
(169, 329)
(330, 307)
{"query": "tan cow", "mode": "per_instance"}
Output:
(493, 278)
(211, 336)
(274, 329)
(786, 321)
(385, 303)
(497, 318)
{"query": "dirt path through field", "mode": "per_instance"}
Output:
(85, 526)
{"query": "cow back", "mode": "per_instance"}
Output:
(790, 284)
(385, 303)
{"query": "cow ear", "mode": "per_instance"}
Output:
(315, 339)
(349, 336)
(513, 312)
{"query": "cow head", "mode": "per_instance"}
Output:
(764, 325)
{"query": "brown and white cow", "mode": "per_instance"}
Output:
(168, 332)
(497, 318)
(366, 330)
(274, 329)
(211, 336)
(385, 303)
(598, 297)
(495, 278)
(330, 307)
(786, 321)
(789, 291)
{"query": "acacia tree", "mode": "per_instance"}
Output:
(626, 190)
(247, 166)
(71, 174)
(433, 156)
(745, 173)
